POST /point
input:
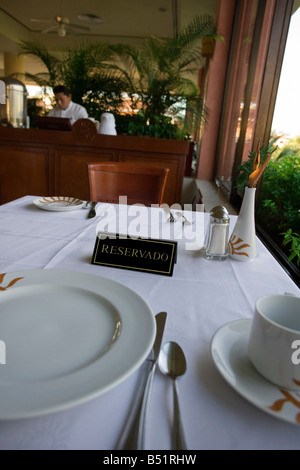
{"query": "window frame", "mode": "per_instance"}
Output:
(260, 79)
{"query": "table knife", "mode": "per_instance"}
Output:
(133, 437)
(92, 211)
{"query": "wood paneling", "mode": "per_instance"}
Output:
(71, 177)
(24, 169)
(44, 162)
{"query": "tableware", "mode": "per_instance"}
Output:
(185, 221)
(69, 336)
(274, 343)
(58, 203)
(216, 244)
(172, 363)
(92, 211)
(133, 437)
(229, 351)
(172, 218)
(107, 124)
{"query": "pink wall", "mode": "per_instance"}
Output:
(215, 90)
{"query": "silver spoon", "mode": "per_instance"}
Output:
(172, 363)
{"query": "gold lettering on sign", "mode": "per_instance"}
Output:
(134, 253)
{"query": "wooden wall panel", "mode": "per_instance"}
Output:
(44, 162)
(24, 169)
(71, 176)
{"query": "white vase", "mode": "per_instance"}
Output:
(242, 242)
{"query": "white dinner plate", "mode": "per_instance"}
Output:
(69, 336)
(229, 352)
(58, 203)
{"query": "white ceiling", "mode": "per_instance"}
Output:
(123, 21)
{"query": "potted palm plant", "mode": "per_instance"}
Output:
(87, 69)
(165, 98)
(158, 79)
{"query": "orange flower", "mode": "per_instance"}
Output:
(258, 171)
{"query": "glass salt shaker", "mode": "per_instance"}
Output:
(216, 246)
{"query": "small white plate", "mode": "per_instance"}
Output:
(69, 336)
(229, 352)
(58, 203)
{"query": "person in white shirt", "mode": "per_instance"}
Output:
(65, 107)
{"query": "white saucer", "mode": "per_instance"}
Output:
(229, 352)
(58, 203)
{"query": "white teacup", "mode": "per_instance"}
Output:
(274, 342)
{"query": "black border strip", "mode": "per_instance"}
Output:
(279, 255)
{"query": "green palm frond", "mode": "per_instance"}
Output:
(39, 51)
(41, 79)
(156, 75)
(159, 69)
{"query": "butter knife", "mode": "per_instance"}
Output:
(92, 211)
(133, 437)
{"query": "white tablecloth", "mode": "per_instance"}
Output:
(199, 298)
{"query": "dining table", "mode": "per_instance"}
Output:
(225, 404)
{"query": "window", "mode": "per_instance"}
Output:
(256, 46)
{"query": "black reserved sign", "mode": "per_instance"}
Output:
(140, 254)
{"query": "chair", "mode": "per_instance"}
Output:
(142, 184)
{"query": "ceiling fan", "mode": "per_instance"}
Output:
(62, 26)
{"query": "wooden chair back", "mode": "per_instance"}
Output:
(141, 184)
